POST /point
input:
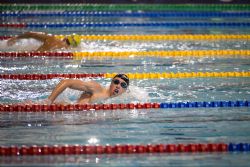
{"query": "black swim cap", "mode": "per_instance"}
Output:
(123, 77)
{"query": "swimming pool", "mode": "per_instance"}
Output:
(130, 126)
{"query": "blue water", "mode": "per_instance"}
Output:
(130, 126)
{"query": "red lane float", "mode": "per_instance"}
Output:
(108, 149)
(37, 54)
(5, 37)
(75, 107)
(47, 76)
(14, 25)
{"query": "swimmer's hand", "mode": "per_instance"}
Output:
(11, 41)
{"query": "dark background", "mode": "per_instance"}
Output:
(130, 1)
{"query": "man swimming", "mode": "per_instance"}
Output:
(50, 42)
(92, 91)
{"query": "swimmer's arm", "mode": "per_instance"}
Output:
(38, 36)
(89, 87)
(35, 35)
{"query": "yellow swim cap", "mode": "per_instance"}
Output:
(74, 40)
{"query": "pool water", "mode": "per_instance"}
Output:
(193, 125)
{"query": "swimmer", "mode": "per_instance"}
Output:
(92, 91)
(50, 42)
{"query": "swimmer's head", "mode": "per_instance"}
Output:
(73, 40)
(119, 84)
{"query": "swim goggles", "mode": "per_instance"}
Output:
(123, 84)
(123, 77)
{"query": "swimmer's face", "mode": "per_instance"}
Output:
(117, 87)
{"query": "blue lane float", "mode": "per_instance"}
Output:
(211, 104)
(153, 24)
(124, 14)
(241, 147)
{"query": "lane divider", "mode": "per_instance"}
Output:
(127, 7)
(13, 25)
(47, 76)
(181, 75)
(122, 14)
(163, 53)
(157, 37)
(163, 37)
(121, 106)
(122, 149)
(163, 75)
(129, 54)
(113, 24)
(38, 54)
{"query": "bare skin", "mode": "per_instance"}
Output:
(50, 42)
(92, 91)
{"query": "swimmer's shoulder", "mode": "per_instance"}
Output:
(95, 85)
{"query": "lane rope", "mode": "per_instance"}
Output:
(125, 7)
(157, 37)
(122, 14)
(66, 149)
(163, 75)
(178, 53)
(164, 37)
(113, 24)
(121, 106)
(129, 54)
